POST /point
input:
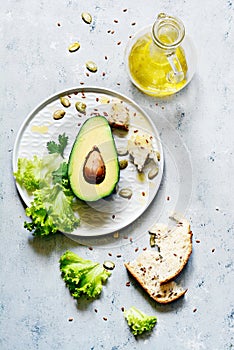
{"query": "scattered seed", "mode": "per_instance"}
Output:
(123, 164)
(110, 254)
(122, 151)
(125, 193)
(145, 248)
(198, 241)
(168, 198)
(153, 173)
(96, 310)
(119, 42)
(109, 265)
(113, 216)
(105, 57)
(59, 114)
(58, 24)
(103, 74)
(90, 248)
(213, 250)
(131, 239)
(130, 36)
(118, 84)
(152, 241)
(108, 31)
(112, 32)
(143, 194)
(122, 309)
(125, 10)
(116, 21)
(194, 310)
(65, 101)
(116, 235)
(105, 318)
(128, 284)
(91, 66)
(133, 23)
(87, 18)
(70, 319)
(74, 47)
(81, 83)
(118, 256)
(87, 74)
(81, 107)
(136, 249)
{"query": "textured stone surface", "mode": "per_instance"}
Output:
(35, 306)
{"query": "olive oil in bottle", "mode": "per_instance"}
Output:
(156, 60)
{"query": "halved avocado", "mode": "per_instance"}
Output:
(93, 167)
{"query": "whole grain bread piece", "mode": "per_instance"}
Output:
(119, 117)
(174, 248)
(155, 269)
(162, 293)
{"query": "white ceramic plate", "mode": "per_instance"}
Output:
(114, 212)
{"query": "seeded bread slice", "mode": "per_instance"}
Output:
(162, 293)
(154, 269)
(174, 248)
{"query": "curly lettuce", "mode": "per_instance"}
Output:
(138, 321)
(82, 277)
(33, 174)
(51, 211)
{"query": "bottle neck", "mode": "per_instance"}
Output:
(168, 32)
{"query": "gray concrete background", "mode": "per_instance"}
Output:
(35, 306)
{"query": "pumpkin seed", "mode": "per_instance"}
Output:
(152, 240)
(125, 193)
(59, 114)
(91, 66)
(87, 18)
(122, 151)
(65, 101)
(81, 107)
(109, 265)
(152, 173)
(123, 164)
(74, 46)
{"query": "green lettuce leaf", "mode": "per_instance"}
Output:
(51, 211)
(82, 277)
(138, 321)
(35, 173)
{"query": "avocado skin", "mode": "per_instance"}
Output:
(95, 132)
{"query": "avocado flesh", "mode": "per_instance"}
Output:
(93, 167)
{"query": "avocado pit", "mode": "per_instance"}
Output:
(94, 167)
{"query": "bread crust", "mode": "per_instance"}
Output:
(156, 270)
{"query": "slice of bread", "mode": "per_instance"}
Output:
(155, 269)
(162, 293)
